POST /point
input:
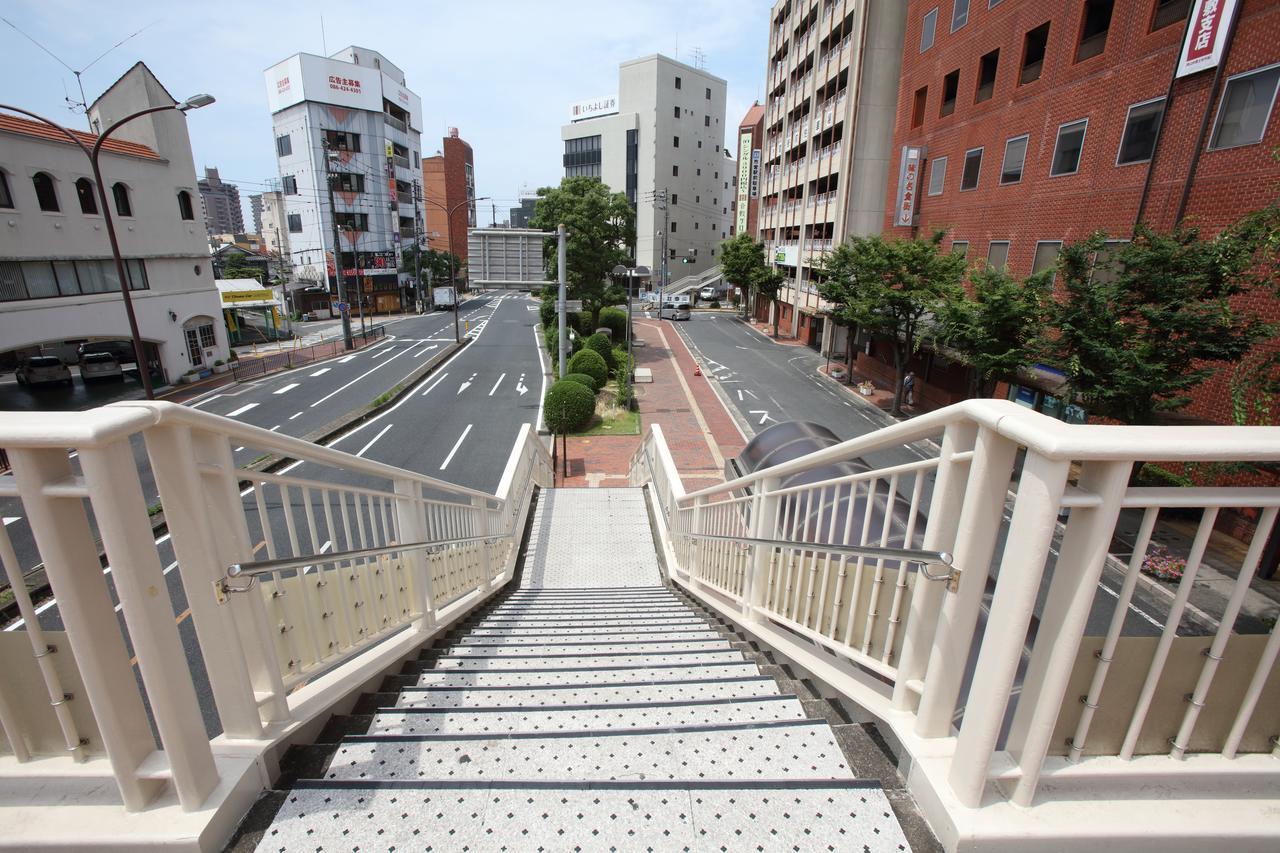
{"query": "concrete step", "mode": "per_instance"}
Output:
(579, 611)
(597, 661)
(771, 814)
(572, 677)
(613, 634)
(563, 621)
(620, 693)
(488, 647)
(598, 716)
(721, 752)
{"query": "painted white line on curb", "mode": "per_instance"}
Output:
(456, 445)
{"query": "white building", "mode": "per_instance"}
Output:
(58, 282)
(275, 224)
(354, 104)
(663, 131)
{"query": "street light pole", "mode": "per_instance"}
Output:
(453, 276)
(345, 309)
(632, 273)
(195, 102)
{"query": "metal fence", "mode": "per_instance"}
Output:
(245, 368)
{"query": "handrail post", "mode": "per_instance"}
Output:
(479, 512)
(1035, 517)
(695, 546)
(764, 513)
(412, 521)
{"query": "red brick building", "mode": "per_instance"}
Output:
(1039, 123)
(449, 184)
(750, 142)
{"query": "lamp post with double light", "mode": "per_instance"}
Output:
(195, 102)
(631, 274)
(448, 224)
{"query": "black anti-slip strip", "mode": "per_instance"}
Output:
(574, 784)
(596, 733)
(596, 706)
(736, 679)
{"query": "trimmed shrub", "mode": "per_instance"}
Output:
(615, 320)
(582, 379)
(620, 362)
(715, 303)
(568, 406)
(588, 361)
(601, 345)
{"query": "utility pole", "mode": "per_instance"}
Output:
(666, 227)
(337, 257)
(284, 283)
(560, 304)
(417, 245)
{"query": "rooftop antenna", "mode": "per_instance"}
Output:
(699, 59)
(323, 43)
(81, 105)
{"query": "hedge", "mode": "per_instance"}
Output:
(601, 345)
(582, 379)
(615, 319)
(568, 407)
(589, 362)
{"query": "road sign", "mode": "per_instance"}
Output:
(342, 306)
(571, 305)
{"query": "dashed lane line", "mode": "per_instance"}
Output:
(456, 445)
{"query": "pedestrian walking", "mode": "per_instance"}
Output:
(909, 388)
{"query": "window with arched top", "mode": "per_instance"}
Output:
(185, 210)
(121, 193)
(88, 197)
(46, 192)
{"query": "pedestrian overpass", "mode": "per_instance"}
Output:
(395, 661)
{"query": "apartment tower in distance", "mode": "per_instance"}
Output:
(662, 132)
(221, 203)
(831, 90)
(1023, 125)
(750, 140)
(354, 111)
(449, 195)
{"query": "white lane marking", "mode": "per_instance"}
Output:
(345, 359)
(373, 440)
(286, 389)
(542, 363)
(242, 410)
(205, 400)
(425, 350)
(738, 347)
(171, 567)
(276, 427)
(291, 417)
(739, 395)
(763, 413)
(456, 445)
(10, 519)
(73, 454)
(238, 449)
(465, 385)
(752, 393)
(496, 384)
(434, 384)
(42, 608)
(381, 365)
(323, 548)
(322, 371)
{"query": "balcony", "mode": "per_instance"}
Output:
(401, 161)
(399, 124)
(404, 199)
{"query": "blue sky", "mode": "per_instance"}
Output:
(503, 72)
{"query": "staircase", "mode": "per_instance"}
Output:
(590, 707)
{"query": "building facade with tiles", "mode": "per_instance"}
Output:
(1031, 124)
(449, 195)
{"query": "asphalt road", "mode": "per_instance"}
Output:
(458, 424)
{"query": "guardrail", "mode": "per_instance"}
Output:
(245, 368)
(360, 594)
(1043, 701)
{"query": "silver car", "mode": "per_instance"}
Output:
(673, 311)
(43, 370)
(100, 365)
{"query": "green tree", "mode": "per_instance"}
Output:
(892, 288)
(601, 235)
(1144, 323)
(742, 260)
(435, 267)
(235, 266)
(1000, 327)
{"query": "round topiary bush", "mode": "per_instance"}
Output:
(600, 344)
(589, 361)
(615, 320)
(568, 406)
(582, 379)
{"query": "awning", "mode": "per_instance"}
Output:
(245, 293)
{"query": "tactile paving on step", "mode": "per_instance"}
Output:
(490, 817)
(580, 661)
(582, 677)
(590, 538)
(600, 717)
(750, 751)
(601, 694)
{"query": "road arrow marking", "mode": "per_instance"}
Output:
(752, 393)
(465, 385)
(10, 519)
(763, 413)
(520, 386)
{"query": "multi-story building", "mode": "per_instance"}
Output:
(58, 278)
(350, 116)
(449, 189)
(221, 204)
(521, 215)
(662, 134)
(275, 224)
(831, 92)
(750, 142)
(255, 207)
(1022, 125)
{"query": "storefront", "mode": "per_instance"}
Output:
(251, 312)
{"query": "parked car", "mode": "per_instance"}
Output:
(122, 351)
(100, 365)
(708, 293)
(673, 311)
(43, 370)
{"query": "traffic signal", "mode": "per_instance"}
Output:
(686, 260)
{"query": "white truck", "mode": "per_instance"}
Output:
(443, 297)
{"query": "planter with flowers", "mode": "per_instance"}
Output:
(1162, 564)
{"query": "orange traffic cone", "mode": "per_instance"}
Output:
(697, 369)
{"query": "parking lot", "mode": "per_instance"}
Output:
(60, 398)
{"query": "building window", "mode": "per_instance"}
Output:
(674, 198)
(1141, 130)
(959, 14)
(1067, 148)
(1093, 29)
(295, 223)
(918, 105)
(340, 140)
(6, 197)
(960, 247)
(185, 210)
(284, 146)
(928, 29)
(88, 198)
(1046, 255)
(695, 228)
(937, 175)
(1104, 269)
(46, 193)
(675, 142)
(987, 66)
(1034, 46)
(675, 171)
(950, 87)
(582, 157)
(998, 254)
(1168, 12)
(706, 121)
(677, 110)
(207, 339)
(708, 93)
(348, 182)
(1015, 155)
(674, 227)
(1246, 106)
(290, 185)
(972, 169)
(352, 221)
(121, 194)
(677, 82)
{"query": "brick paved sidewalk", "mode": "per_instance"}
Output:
(699, 431)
